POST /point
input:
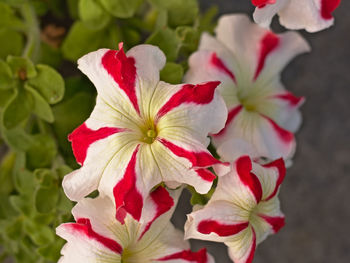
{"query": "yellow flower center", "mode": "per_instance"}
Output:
(149, 132)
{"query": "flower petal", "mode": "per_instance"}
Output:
(315, 15)
(242, 248)
(184, 256)
(218, 221)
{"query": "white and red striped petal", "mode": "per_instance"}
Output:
(243, 210)
(142, 131)
(311, 15)
(97, 236)
(248, 60)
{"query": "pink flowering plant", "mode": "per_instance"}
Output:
(170, 100)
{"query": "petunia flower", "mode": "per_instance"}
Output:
(243, 210)
(248, 59)
(142, 131)
(311, 15)
(98, 237)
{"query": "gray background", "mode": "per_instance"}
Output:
(315, 195)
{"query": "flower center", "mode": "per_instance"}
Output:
(149, 132)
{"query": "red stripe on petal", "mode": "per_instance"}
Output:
(244, 168)
(197, 257)
(163, 201)
(276, 222)
(290, 98)
(82, 137)
(269, 42)
(286, 136)
(279, 164)
(127, 197)
(206, 175)
(198, 94)
(231, 116)
(198, 159)
(83, 226)
(219, 64)
(123, 71)
(327, 8)
(223, 230)
(252, 250)
(262, 3)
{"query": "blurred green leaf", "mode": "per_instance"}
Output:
(180, 12)
(64, 204)
(189, 38)
(45, 177)
(6, 76)
(41, 108)
(18, 110)
(121, 8)
(25, 181)
(23, 204)
(92, 13)
(172, 73)
(49, 83)
(8, 18)
(6, 209)
(40, 234)
(14, 229)
(6, 167)
(12, 42)
(42, 151)
(22, 68)
(52, 251)
(207, 20)
(46, 199)
(17, 138)
(50, 55)
(167, 41)
(6, 96)
(81, 40)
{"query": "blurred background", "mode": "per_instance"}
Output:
(315, 194)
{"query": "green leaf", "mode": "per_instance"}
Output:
(6, 209)
(18, 110)
(49, 83)
(46, 199)
(6, 80)
(46, 177)
(8, 18)
(172, 73)
(92, 13)
(40, 234)
(22, 204)
(25, 181)
(52, 251)
(81, 40)
(180, 12)
(6, 167)
(64, 204)
(17, 138)
(12, 43)
(6, 96)
(15, 229)
(22, 68)
(50, 55)
(167, 41)
(207, 20)
(121, 8)
(42, 151)
(189, 38)
(41, 108)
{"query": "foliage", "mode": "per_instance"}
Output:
(39, 108)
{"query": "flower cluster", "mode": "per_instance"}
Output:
(146, 139)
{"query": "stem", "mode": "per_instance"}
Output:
(32, 47)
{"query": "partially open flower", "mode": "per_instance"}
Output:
(311, 15)
(243, 210)
(142, 131)
(248, 59)
(97, 237)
